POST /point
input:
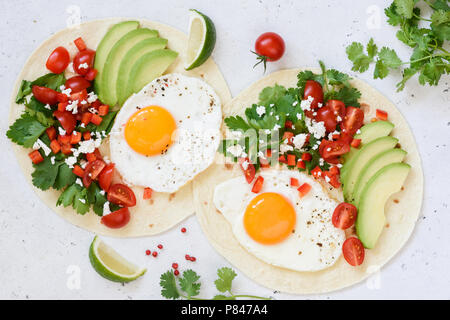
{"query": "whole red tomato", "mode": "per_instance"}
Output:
(269, 47)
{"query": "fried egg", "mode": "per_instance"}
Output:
(277, 225)
(167, 133)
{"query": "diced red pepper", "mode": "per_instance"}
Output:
(335, 170)
(257, 186)
(79, 42)
(103, 110)
(316, 172)
(92, 73)
(291, 161)
(62, 106)
(282, 159)
(301, 164)
(294, 182)
(355, 143)
(96, 104)
(96, 119)
(336, 136)
(36, 157)
(86, 135)
(91, 157)
(304, 189)
(306, 156)
(288, 124)
(55, 146)
(148, 193)
(64, 139)
(61, 97)
(78, 171)
(288, 136)
(51, 133)
(66, 148)
(86, 118)
(75, 137)
(382, 115)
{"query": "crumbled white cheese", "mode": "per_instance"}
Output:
(52, 160)
(65, 91)
(73, 107)
(92, 97)
(295, 103)
(276, 127)
(102, 192)
(285, 147)
(339, 119)
(245, 165)
(70, 161)
(47, 106)
(299, 116)
(327, 179)
(82, 200)
(321, 162)
(267, 131)
(358, 132)
(93, 110)
(83, 66)
(236, 134)
(78, 181)
(235, 150)
(261, 110)
(83, 102)
(106, 209)
(339, 165)
(62, 132)
(261, 155)
(306, 104)
(317, 129)
(40, 144)
(299, 140)
(83, 163)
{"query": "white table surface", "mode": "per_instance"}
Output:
(40, 253)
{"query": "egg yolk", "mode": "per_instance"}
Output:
(149, 130)
(269, 218)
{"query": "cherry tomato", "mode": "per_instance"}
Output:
(313, 89)
(257, 186)
(117, 219)
(58, 60)
(122, 195)
(249, 171)
(344, 216)
(83, 57)
(353, 251)
(354, 119)
(338, 108)
(270, 45)
(324, 145)
(334, 149)
(326, 114)
(45, 95)
(333, 179)
(67, 120)
(92, 171)
(77, 84)
(105, 177)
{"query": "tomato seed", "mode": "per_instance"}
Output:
(175, 265)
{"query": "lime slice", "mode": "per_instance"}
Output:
(202, 39)
(110, 265)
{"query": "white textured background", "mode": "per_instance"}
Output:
(38, 249)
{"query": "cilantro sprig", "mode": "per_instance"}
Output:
(428, 59)
(187, 286)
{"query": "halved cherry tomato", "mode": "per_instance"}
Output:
(55, 146)
(354, 119)
(91, 74)
(257, 186)
(36, 157)
(122, 195)
(67, 120)
(327, 116)
(294, 182)
(147, 193)
(344, 216)
(78, 171)
(304, 189)
(250, 171)
(62, 106)
(106, 176)
(355, 143)
(51, 133)
(338, 108)
(333, 149)
(79, 42)
(270, 46)
(353, 251)
(313, 89)
(117, 219)
(80, 95)
(45, 95)
(83, 57)
(92, 171)
(58, 60)
(77, 83)
(382, 115)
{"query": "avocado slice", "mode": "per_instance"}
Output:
(148, 67)
(371, 218)
(373, 166)
(115, 56)
(369, 132)
(361, 158)
(137, 51)
(109, 40)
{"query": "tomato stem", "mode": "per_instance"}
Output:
(262, 59)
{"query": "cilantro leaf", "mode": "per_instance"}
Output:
(348, 95)
(407, 74)
(76, 196)
(336, 77)
(404, 8)
(169, 286)
(371, 48)
(226, 276)
(96, 198)
(389, 57)
(189, 284)
(236, 123)
(65, 177)
(25, 130)
(67, 197)
(381, 70)
(45, 173)
(355, 53)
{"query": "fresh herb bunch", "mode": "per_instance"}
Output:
(56, 174)
(429, 58)
(284, 104)
(188, 287)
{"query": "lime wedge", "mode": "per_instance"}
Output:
(110, 265)
(202, 39)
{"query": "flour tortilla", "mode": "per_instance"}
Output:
(147, 217)
(401, 216)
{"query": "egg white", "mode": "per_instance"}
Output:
(315, 243)
(197, 111)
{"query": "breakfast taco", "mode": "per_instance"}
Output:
(83, 137)
(318, 184)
